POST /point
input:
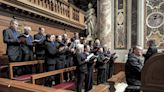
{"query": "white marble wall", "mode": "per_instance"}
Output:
(104, 33)
(106, 26)
(106, 30)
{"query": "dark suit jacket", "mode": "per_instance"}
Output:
(151, 51)
(100, 64)
(13, 47)
(50, 53)
(27, 48)
(80, 63)
(133, 69)
(39, 47)
(61, 56)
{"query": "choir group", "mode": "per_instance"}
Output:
(58, 52)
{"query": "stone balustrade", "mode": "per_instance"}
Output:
(57, 10)
(60, 8)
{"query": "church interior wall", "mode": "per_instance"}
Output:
(121, 29)
(154, 22)
(57, 29)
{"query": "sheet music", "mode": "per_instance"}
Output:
(89, 57)
(36, 40)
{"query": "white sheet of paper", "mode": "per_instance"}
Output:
(90, 55)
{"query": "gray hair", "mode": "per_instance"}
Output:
(27, 28)
(13, 21)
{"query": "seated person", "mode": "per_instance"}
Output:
(133, 67)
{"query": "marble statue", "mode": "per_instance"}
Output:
(90, 21)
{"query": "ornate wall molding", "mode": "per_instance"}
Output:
(59, 11)
(120, 27)
(154, 22)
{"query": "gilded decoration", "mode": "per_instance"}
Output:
(154, 22)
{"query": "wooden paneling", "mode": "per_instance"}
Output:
(118, 66)
(7, 85)
(5, 20)
(152, 75)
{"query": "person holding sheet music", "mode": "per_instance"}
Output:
(39, 40)
(112, 59)
(69, 60)
(81, 63)
(61, 54)
(10, 37)
(60, 58)
(91, 58)
(27, 46)
(101, 66)
(14, 52)
(107, 54)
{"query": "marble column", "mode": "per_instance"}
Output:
(104, 22)
(140, 22)
(129, 23)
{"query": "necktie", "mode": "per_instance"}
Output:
(29, 39)
(15, 34)
(53, 44)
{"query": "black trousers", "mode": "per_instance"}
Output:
(111, 70)
(40, 56)
(80, 80)
(48, 80)
(89, 79)
(59, 65)
(18, 70)
(68, 75)
(101, 76)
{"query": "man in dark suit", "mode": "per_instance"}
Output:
(27, 49)
(90, 67)
(151, 50)
(68, 60)
(10, 37)
(61, 54)
(60, 60)
(39, 47)
(27, 46)
(133, 67)
(81, 64)
(101, 66)
(107, 54)
(50, 57)
(14, 52)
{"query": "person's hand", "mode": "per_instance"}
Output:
(85, 60)
(61, 48)
(95, 60)
(72, 50)
(19, 41)
(66, 47)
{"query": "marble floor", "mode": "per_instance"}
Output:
(120, 87)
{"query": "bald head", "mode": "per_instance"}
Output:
(137, 50)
